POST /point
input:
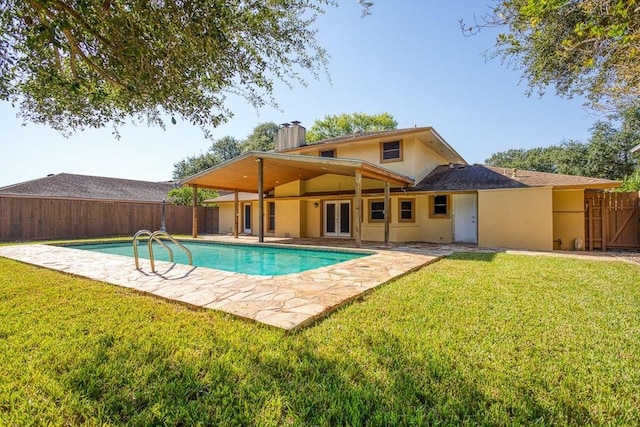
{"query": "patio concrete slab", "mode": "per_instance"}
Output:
(287, 301)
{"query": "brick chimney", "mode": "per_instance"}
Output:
(290, 135)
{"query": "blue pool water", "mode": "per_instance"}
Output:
(248, 259)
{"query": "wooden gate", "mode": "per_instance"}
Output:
(612, 220)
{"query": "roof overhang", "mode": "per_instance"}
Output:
(241, 173)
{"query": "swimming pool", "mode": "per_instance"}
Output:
(247, 259)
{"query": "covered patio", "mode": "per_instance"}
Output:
(262, 172)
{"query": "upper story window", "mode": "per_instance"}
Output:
(391, 151)
(328, 153)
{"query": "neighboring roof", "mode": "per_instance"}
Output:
(229, 197)
(546, 179)
(241, 173)
(68, 185)
(427, 135)
(481, 177)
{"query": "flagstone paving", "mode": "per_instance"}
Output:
(288, 301)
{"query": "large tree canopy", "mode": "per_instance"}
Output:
(585, 47)
(73, 64)
(344, 124)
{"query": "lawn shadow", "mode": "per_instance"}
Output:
(287, 382)
(473, 256)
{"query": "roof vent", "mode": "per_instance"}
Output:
(450, 165)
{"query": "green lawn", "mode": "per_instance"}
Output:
(473, 339)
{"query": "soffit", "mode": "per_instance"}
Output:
(241, 173)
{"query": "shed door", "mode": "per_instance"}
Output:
(465, 214)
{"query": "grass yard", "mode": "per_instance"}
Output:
(473, 339)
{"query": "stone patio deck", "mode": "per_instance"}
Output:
(288, 301)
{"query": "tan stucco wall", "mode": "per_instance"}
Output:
(568, 217)
(516, 218)
(313, 218)
(417, 159)
(424, 160)
(335, 183)
(225, 221)
(290, 219)
(293, 188)
(424, 229)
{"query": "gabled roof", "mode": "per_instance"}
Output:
(427, 135)
(481, 177)
(66, 185)
(241, 173)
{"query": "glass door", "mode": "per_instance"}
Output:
(337, 219)
(247, 218)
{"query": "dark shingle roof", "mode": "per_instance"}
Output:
(90, 187)
(480, 177)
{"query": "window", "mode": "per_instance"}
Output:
(406, 210)
(376, 210)
(439, 206)
(271, 226)
(328, 153)
(390, 151)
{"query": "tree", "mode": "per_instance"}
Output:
(344, 124)
(85, 63)
(605, 155)
(194, 164)
(261, 139)
(587, 47)
(226, 148)
(183, 196)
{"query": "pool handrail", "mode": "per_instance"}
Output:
(135, 247)
(155, 236)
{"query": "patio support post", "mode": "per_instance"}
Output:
(358, 202)
(194, 204)
(236, 215)
(387, 212)
(260, 201)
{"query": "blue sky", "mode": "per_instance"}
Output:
(409, 58)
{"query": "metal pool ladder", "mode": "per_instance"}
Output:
(156, 236)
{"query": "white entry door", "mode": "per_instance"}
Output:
(337, 219)
(465, 218)
(246, 222)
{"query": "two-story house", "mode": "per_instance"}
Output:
(404, 185)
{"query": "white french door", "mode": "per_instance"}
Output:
(337, 218)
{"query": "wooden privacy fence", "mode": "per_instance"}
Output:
(612, 220)
(23, 218)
